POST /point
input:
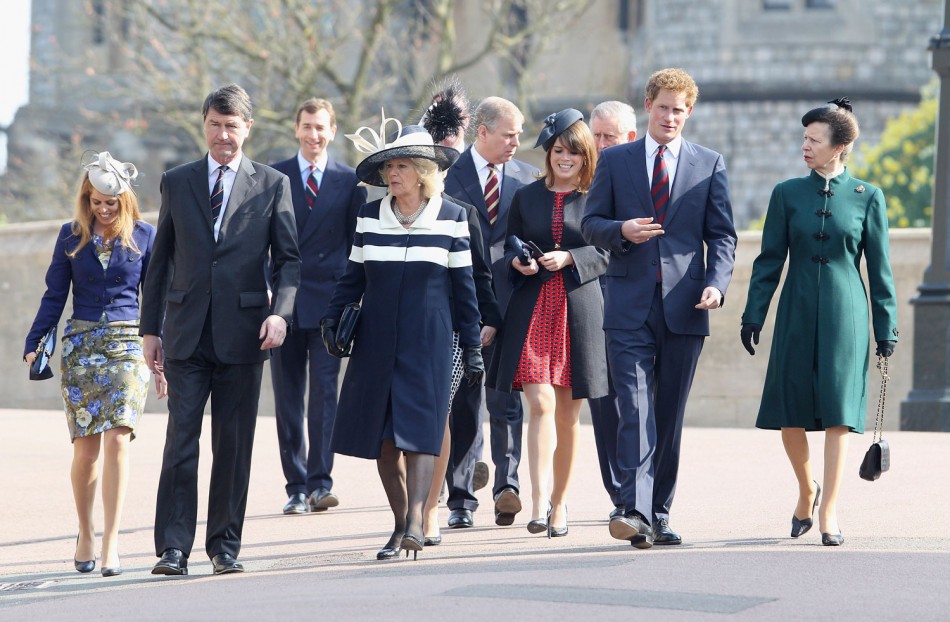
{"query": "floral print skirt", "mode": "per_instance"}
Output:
(105, 379)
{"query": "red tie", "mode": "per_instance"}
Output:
(660, 191)
(660, 188)
(492, 196)
(312, 189)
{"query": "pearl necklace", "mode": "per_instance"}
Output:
(411, 218)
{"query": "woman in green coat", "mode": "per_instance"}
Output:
(817, 377)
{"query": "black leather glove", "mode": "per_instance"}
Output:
(328, 332)
(885, 348)
(473, 367)
(749, 335)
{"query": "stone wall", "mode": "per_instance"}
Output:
(728, 382)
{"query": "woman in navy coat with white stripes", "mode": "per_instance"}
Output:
(410, 264)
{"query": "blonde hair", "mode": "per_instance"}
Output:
(84, 219)
(431, 179)
(672, 79)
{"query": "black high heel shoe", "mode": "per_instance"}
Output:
(801, 527)
(112, 571)
(412, 543)
(554, 532)
(539, 525)
(392, 549)
(84, 567)
(832, 539)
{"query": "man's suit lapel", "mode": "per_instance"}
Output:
(636, 166)
(468, 180)
(198, 180)
(684, 180)
(508, 187)
(243, 183)
(326, 198)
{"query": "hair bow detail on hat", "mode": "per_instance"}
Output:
(378, 140)
(108, 175)
(555, 124)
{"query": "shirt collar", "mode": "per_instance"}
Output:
(426, 220)
(304, 164)
(479, 161)
(234, 164)
(673, 147)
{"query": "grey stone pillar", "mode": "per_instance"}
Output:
(927, 406)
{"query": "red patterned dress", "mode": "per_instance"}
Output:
(546, 354)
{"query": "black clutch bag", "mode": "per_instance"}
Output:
(346, 330)
(877, 459)
(39, 368)
(526, 250)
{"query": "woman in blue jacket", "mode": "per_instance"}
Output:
(102, 255)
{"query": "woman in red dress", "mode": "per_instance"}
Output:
(552, 344)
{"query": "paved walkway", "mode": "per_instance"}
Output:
(733, 508)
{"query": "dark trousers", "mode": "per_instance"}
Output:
(302, 359)
(652, 370)
(234, 391)
(605, 418)
(505, 423)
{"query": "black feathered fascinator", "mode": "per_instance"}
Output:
(445, 117)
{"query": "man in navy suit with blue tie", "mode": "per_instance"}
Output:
(326, 199)
(661, 206)
(486, 176)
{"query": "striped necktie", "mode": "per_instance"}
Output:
(492, 194)
(660, 188)
(217, 195)
(312, 189)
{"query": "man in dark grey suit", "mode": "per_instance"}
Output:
(326, 200)
(489, 164)
(207, 318)
(661, 206)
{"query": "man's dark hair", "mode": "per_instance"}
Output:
(228, 100)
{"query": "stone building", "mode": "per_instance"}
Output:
(759, 65)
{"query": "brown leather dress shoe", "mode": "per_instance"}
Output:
(507, 504)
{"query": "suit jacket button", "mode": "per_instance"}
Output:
(118, 279)
(654, 262)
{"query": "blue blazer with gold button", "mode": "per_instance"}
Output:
(113, 291)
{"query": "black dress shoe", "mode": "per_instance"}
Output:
(321, 499)
(832, 539)
(173, 562)
(507, 504)
(461, 518)
(801, 527)
(224, 563)
(632, 528)
(297, 504)
(617, 511)
(662, 534)
(480, 476)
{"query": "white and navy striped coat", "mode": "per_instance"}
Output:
(401, 365)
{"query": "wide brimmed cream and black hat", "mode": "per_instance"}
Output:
(108, 175)
(412, 141)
